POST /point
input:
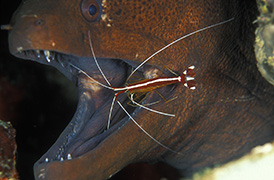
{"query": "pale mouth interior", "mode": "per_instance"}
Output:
(88, 127)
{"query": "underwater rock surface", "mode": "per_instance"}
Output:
(264, 43)
(7, 151)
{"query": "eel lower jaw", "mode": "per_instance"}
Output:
(85, 132)
(88, 127)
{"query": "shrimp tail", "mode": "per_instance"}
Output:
(189, 78)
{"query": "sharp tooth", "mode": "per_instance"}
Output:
(62, 64)
(48, 59)
(20, 49)
(47, 55)
(47, 160)
(62, 159)
(69, 157)
(38, 53)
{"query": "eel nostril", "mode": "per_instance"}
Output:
(39, 22)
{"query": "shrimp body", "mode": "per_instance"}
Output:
(147, 85)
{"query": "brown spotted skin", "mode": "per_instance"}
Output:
(230, 112)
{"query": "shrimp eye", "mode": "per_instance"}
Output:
(91, 10)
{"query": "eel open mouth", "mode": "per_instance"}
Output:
(88, 127)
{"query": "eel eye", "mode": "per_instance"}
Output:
(91, 10)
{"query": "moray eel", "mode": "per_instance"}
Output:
(231, 110)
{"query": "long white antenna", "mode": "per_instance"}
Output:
(152, 110)
(179, 39)
(133, 120)
(110, 111)
(80, 70)
(95, 59)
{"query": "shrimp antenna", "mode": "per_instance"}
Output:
(104, 76)
(95, 59)
(97, 82)
(149, 109)
(177, 40)
(140, 127)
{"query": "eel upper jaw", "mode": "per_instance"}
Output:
(87, 128)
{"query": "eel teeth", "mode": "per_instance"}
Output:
(20, 49)
(69, 157)
(38, 54)
(47, 55)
